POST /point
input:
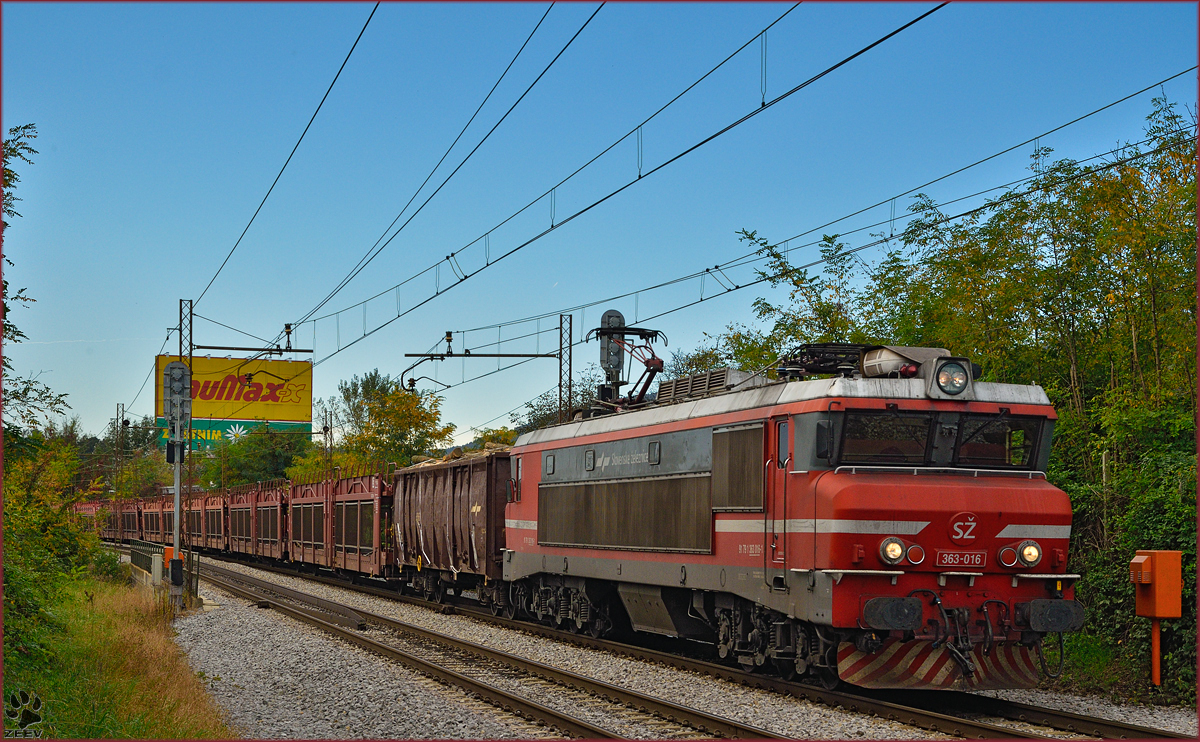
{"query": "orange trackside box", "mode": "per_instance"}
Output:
(1158, 579)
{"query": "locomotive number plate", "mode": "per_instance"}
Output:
(961, 558)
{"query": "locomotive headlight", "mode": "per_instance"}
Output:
(952, 378)
(1029, 553)
(891, 550)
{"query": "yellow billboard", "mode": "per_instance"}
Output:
(241, 389)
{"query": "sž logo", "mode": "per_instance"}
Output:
(962, 528)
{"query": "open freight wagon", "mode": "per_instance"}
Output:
(449, 519)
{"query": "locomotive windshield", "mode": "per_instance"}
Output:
(886, 438)
(998, 440)
(907, 438)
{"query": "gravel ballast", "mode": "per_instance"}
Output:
(780, 714)
(1171, 719)
(279, 679)
(774, 712)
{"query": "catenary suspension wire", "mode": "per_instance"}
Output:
(582, 167)
(875, 243)
(735, 262)
(366, 257)
(835, 221)
(372, 255)
(153, 368)
(289, 157)
(613, 193)
(227, 327)
(882, 240)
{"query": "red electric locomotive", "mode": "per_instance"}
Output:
(890, 526)
(878, 516)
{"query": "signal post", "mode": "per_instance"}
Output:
(177, 407)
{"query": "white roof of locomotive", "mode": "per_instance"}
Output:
(774, 394)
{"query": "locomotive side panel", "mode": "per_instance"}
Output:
(649, 493)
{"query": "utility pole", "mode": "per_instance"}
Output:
(565, 329)
(185, 356)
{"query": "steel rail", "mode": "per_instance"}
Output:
(507, 701)
(338, 613)
(911, 715)
(695, 718)
(861, 700)
(1016, 711)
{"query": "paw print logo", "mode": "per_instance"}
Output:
(23, 709)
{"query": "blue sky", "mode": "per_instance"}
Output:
(162, 126)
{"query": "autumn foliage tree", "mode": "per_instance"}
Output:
(378, 421)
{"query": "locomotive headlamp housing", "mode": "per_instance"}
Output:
(916, 554)
(1008, 556)
(891, 550)
(952, 378)
(1029, 553)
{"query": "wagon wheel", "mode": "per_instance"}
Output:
(434, 591)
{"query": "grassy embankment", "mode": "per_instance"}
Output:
(113, 670)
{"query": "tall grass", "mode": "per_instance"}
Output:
(115, 671)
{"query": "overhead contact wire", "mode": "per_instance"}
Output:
(486, 98)
(605, 198)
(289, 157)
(412, 216)
(579, 169)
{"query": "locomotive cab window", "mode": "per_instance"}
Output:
(885, 437)
(998, 441)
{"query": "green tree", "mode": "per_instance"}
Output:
(1082, 281)
(261, 455)
(542, 410)
(27, 401)
(377, 421)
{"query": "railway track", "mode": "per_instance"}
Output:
(506, 680)
(950, 712)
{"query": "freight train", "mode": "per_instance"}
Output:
(876, 515)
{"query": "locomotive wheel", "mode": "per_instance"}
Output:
(786, 668)
(510, 611)
(595, 629)
(495, 608)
